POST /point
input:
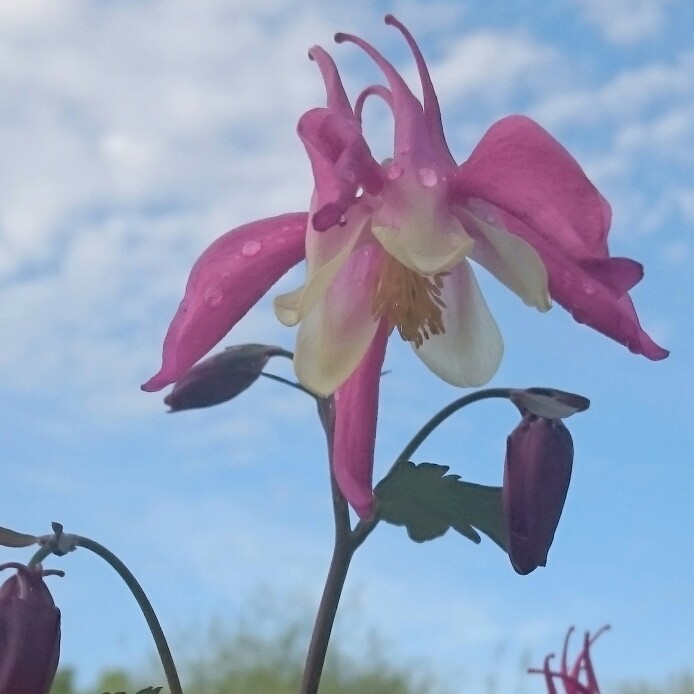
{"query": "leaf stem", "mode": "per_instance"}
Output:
(365, 527)
(348, 540)
(442, 415)
(287, 382)
(52, 545)
(145, 605)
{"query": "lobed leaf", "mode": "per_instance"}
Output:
(428, 502)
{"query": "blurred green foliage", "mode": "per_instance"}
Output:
(255, 660)
(249, 661)
(684, 684)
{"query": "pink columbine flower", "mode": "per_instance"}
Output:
(580, 679)
(388, 246)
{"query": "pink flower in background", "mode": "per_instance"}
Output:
(579, 679)
(388, 246)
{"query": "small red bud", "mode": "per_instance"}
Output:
(29, 632)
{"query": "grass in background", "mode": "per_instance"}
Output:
(265, 655)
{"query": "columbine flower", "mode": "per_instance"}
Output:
(29, 632)
(387, 247)
(582, 669)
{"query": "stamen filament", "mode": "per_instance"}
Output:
(411, 302)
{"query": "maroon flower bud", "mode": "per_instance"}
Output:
(29, 632)
(221, 377)
(539, 456)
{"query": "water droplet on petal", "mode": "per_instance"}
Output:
(394, 172)
(589, 288)
(427, 177)
(251, 248)
(213, 297)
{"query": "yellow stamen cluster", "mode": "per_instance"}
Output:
(411, 302)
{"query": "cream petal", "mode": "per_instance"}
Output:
(327, 251)
(335, 334)
(286, 306)
(425, 250)
(513, 261)
(416, 227)
(469, 352)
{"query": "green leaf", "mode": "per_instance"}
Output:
(428, 502)
(11, 538)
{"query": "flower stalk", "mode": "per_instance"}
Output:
(343, 550)
(60, 543)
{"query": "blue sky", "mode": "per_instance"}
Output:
(133, 134)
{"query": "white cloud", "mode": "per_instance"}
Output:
(631, 93)
(495, 63)
(128, 145)
(626, 21)
(87, 124)
(670, 134)
(637, 122)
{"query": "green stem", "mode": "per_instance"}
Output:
(145, 605)
(287, 382)
(327, 610)
(419, 438)
(343, 551)
(348, 540)
(39, 556)
(52, 545)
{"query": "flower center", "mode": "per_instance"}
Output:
(411, 302)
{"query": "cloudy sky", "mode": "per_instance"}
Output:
(134, 133)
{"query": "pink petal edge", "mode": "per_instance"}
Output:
(519, 167)
(229, 277)
(356, 410)
(545, 198)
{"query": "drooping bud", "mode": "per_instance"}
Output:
(29, 632)
(537, 471)
(221, 377)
